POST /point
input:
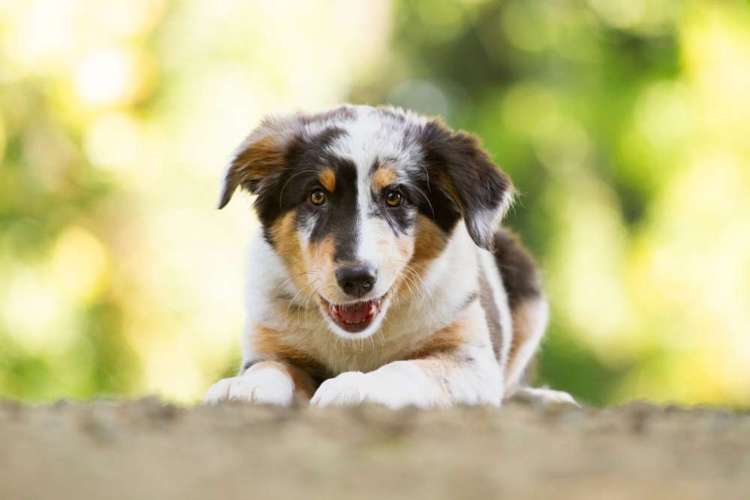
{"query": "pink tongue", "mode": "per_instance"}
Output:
(356, 313)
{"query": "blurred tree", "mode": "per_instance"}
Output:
(49, 193)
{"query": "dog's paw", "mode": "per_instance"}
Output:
(544, 396)
(344, 390)
(384, 387)
(260, 385)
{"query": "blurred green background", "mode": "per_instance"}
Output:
(624, 123)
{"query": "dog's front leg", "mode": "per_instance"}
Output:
(265, 382)
(468, 376)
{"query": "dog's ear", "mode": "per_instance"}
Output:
(464, 173)
(260, 157)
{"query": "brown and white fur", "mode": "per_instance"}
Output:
(381, 273)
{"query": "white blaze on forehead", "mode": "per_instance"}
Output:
(370, 136)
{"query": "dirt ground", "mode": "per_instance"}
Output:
(145, 449)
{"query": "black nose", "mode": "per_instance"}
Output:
(356, 280)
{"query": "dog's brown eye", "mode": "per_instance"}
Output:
(393, 198)
(318, 197)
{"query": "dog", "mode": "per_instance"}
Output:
(380, 273)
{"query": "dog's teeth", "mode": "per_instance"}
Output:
(357, 314)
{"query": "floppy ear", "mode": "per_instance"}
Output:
(465, 174)
(260, 157)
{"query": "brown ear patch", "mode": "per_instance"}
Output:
(382, 177)
(259, 158)
(255, 161)
(328, 179)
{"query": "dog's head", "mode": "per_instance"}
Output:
(358, 201)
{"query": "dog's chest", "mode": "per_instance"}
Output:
(337, 355)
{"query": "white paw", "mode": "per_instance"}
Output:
(385, 387)
(345, 389)
(260, 386)
(544, 396)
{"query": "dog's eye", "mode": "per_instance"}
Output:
(318, 197)
(393, 198)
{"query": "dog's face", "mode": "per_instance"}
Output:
(358, 201)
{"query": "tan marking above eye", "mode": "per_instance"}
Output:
(382, 177)
(327, 179)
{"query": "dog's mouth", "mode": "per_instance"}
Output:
(354, 317)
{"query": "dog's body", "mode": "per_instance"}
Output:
(381, 274)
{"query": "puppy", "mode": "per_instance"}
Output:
(381, 273)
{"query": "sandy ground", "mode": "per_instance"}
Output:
(144, 450)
